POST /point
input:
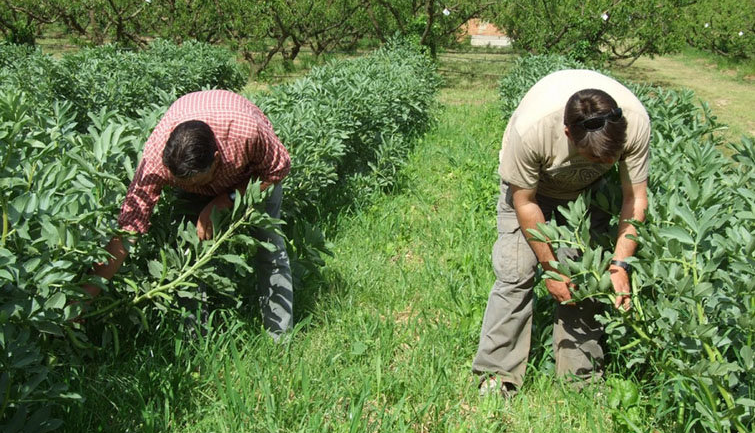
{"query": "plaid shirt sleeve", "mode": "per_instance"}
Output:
(269, 158)
(147, 184)
(246, 142)
(141, 198)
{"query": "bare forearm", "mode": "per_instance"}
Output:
(529, 214)
(634, 204)
(633, 208)
(118, 252)
(625, 246)
(106, 270)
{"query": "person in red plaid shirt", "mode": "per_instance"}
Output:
(209, 145)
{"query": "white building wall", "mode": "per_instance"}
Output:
(490, 41)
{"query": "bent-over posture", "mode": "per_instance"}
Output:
(569, 130)
(209, 145)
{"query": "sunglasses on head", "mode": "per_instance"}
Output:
(596, 123)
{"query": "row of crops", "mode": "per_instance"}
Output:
(71, 131)
(689, 338)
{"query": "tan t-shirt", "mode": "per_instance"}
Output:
(536, 152)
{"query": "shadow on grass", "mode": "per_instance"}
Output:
(160, 377)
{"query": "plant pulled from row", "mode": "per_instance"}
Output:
(61, 195)
(111, 78)
(688, 338)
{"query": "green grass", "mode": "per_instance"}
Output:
(740, 69)
(726, 87)
(386, 336)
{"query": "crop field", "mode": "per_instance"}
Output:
(389, 214)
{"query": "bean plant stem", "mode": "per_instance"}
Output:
(6, 398)
(8, 152)
(201, 261)
(713, 353)
(105, 309)
(5, 222)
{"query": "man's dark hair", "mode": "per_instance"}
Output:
(604, 143)
(190, 149)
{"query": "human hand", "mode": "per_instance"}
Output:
(78, 307)
(91, 289)
(620, 280)
(560, 289)
(204, 222)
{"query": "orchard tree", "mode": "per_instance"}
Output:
(595, 30)
(262, 30)
(245, 27)
(97, 22)
(20, 20)
(181, 20)
(433, 23)
(723, 27)
(318, 23)
(336, 24)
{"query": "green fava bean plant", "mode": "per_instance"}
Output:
(688, 338)
(64, 173)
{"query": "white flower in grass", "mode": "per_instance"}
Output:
(446, 12)
(604, 16)
(707, 25)
(741, 33)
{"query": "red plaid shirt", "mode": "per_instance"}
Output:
(247, 147)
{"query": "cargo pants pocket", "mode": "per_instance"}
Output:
(513, 259)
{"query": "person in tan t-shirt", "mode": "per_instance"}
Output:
(568, 130)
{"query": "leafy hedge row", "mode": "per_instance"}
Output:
(62, 190)
(348, 127)
(347, 113)
(111, 78)
(689, 338)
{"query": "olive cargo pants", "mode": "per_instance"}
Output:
(506, 328)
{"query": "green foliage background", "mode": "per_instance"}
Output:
(114, 79)
(590, 30)
(725, 27)
(594, 30)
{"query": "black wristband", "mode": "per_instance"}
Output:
(623, 265)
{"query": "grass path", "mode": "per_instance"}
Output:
(730, 97)
(389, 334)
